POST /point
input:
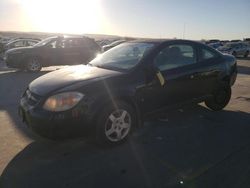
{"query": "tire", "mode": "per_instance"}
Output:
(246, 54)
(234, 54)
(115, 124)
(33, 64)
(220, 98)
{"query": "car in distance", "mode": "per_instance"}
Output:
(112, 45)
(58, 50)
(236, 40)
(212, 41)
(113, 93)
(20, 43)
(247, 40)
(235, 48)
(215, 45)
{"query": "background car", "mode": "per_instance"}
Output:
(58, 50)
(247, 40)
(20, 43)
(215, 45)
(235, 48)
(103, 42)
(236, 40)
(212, 41)
(113, 93)
(4, 40)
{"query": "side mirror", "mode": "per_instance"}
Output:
(153, 73)
(160, 78)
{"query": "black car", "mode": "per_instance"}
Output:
(59, 50)
(115, 91)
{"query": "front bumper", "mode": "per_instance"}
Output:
(55, 125)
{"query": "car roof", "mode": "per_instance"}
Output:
(236, 43)
(73, 37)
(159, 41)
(22, 40)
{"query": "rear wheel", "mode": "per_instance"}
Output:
(220, 98)
(34, 64)
(115, 124)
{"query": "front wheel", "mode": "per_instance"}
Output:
(220, 99)
(115, 124)
(33, 64)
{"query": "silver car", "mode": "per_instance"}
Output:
(235, 48)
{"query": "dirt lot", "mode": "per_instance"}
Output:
(189, 147)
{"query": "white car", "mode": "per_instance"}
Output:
(236, 49)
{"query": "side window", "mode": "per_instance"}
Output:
(71, 43)
(19, 43)
(77, 43)
(207, 54)
(174, 56)
(31, 43)
(52, 44)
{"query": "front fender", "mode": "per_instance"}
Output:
(100, 102)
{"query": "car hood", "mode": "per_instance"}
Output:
(65, 77)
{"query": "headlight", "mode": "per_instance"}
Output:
(62, 101)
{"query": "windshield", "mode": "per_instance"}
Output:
(44, 42)
(122, 57)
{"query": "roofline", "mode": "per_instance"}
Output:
(164, 40)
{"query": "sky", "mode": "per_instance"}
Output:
(189, 19)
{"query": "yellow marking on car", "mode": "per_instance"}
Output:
(161, 78)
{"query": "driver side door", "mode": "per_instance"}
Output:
(175, 63)
(52, 53)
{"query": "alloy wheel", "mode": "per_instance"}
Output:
(118, 125)
(34, 65)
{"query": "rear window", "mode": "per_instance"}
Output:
(71, 43)
(207, 54)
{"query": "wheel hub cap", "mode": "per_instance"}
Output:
(118, 125)
(34, 65)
